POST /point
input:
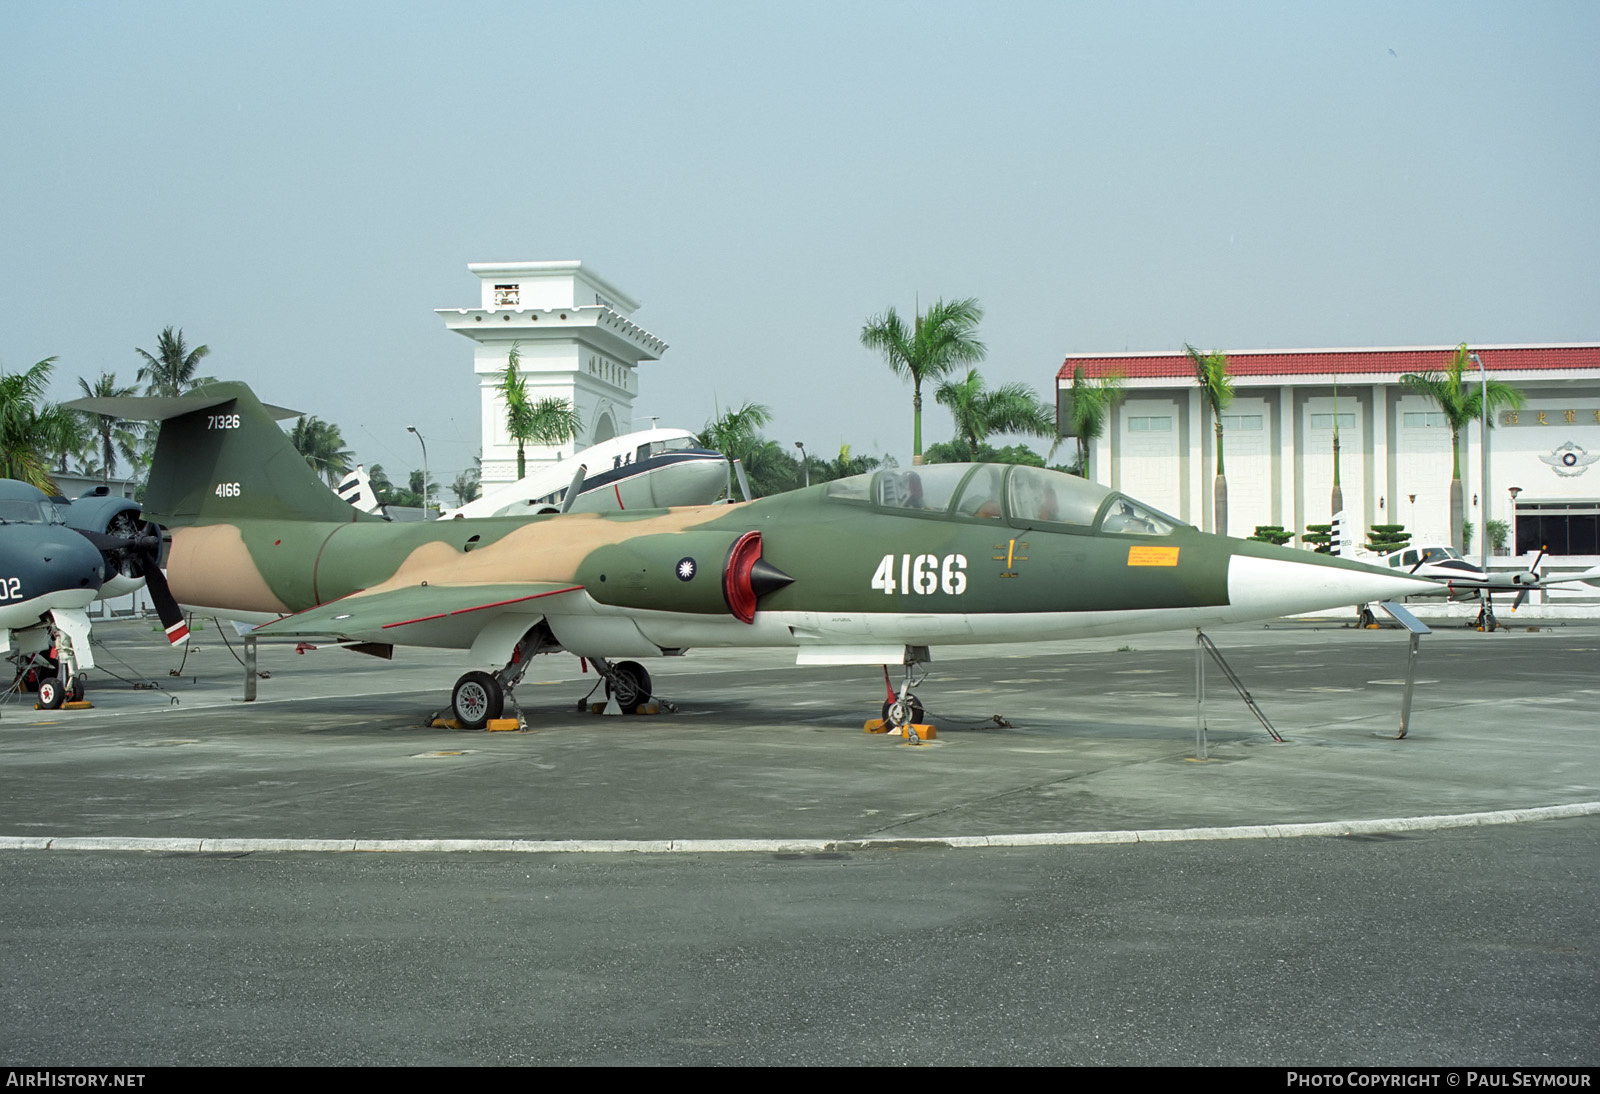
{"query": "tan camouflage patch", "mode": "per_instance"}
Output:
(549, 550)
(211, 567)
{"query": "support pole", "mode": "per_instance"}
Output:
(249, 668)
(1199, 696)
(1203, 643)
(1417, 629)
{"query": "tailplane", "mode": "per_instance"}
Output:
(222, 456)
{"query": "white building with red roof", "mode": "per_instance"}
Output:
(1544, 461)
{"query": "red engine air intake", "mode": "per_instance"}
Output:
(746, 577)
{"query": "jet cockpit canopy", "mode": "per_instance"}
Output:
(1017, 494)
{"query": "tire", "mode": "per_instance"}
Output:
(476, 698)
(632, 686)
(51, 693)
(916, 712)
(76, 689)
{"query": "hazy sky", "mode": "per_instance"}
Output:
(299, 185)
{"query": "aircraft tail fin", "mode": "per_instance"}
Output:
(222, 456)
(356, 488)
(1339, 541)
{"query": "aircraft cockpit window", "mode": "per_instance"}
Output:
(981, 496)
(22, 511)
(929, 487)
(671, 444)
(854, 488)
(1128, 517)
(1037, 496)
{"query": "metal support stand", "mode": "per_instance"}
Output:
(249, 668)
(1417, 629)
(1201, 642)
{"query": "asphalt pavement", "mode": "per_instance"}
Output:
(953, 902)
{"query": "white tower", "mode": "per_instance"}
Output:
(575, 342)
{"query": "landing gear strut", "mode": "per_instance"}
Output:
(1486, 620)
(626, 681)
(480, 697)
(904, 709)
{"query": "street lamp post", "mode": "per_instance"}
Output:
(424, 444)
(805, 461)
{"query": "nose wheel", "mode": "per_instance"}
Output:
(903, 712)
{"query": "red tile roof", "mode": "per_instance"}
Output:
(1321, 362)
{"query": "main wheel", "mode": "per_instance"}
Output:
(901, 714)
(76, 689)
(632, 685)
(51, 693)
(477, 698)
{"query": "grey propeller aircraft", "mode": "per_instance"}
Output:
(1458, 579)
(56, 558)
(867, 570)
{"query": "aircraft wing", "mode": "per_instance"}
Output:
(449, 616)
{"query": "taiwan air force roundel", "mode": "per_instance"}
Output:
(686, 568)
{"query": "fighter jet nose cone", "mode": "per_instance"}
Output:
(766, 578)
(1262, 588)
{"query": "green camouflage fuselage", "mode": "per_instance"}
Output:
(929, 555)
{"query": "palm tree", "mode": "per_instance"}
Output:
(170, 371)
(34, 434)
(548, 421)
(941, 339)
(1092, 401)
(737, 435)
(1460, 402)
(845, 465)
(732, 431)
(1216, 388)
(113, 436)
(323, 447)
(1011, 408)
(469, 484)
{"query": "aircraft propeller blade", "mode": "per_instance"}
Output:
(574, 489)
(172, 620)
(744, 483)
(1522, 594)
(147, 556)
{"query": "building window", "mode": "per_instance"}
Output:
(1325, 421)
(1430, 419)
(507, 296)
(1242, 422)
(1160, 423)
(1559, 528)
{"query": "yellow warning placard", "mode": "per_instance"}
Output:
(1152, 556)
